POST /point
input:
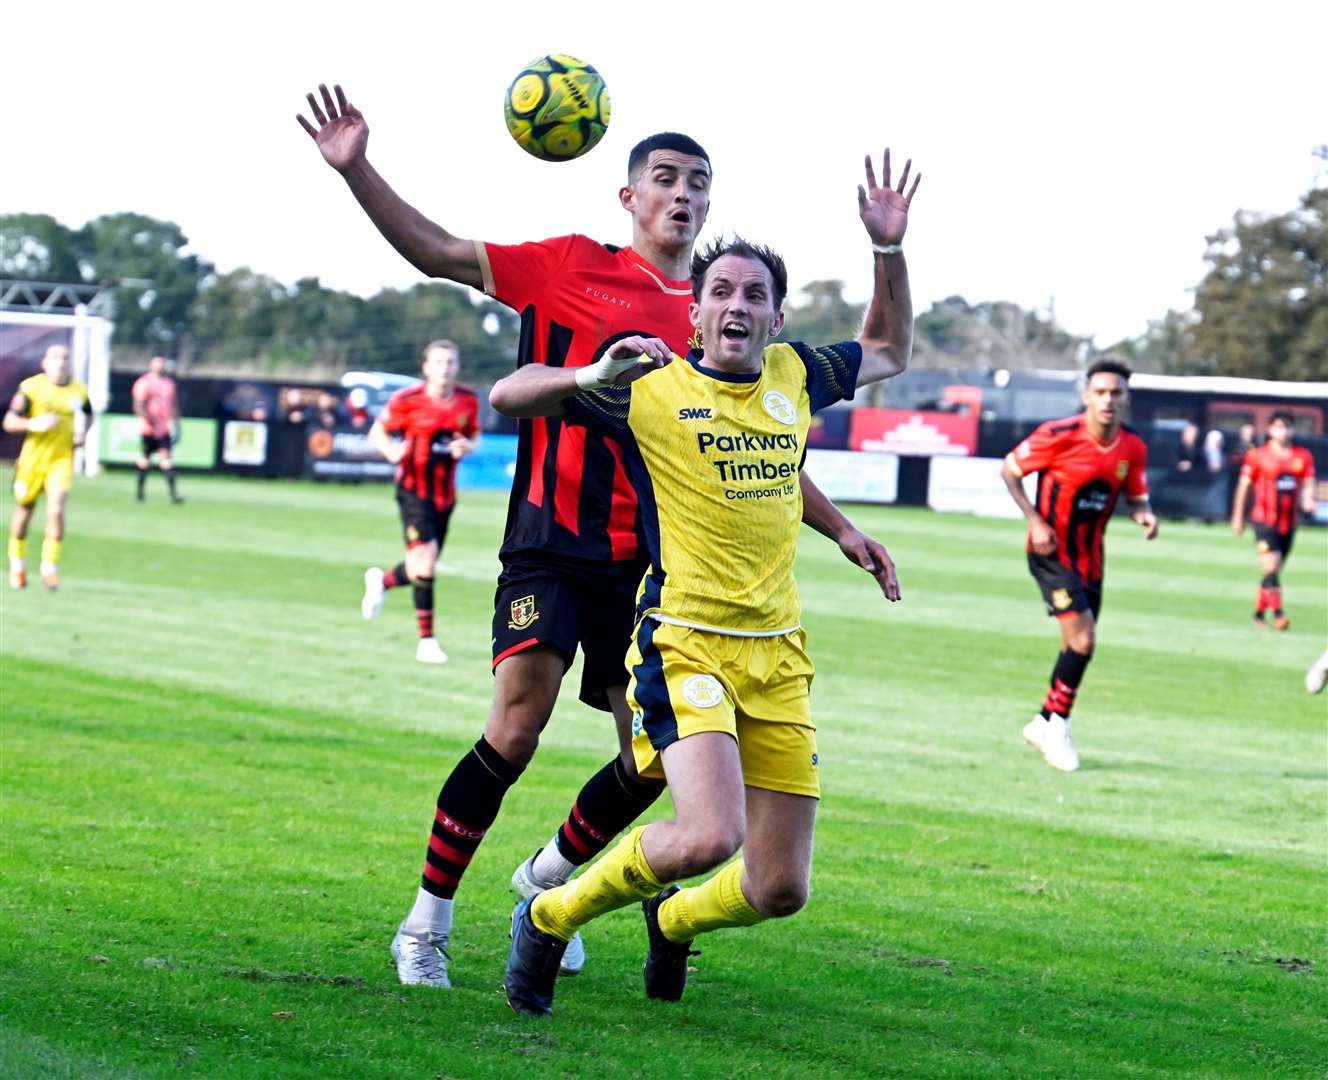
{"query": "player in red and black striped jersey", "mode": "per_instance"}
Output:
(1282, 476)
(572, 553)
(438, 424)
(1083, 464)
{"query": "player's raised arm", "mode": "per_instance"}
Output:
(342, 137)
(540, 390)
(887, 331)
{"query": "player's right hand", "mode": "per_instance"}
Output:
(1041, 538)
(342, 134)
(1237, 525)
(45, 422)
(625, 362)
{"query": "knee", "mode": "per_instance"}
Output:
(707, 846)
(780, 897)
(420, 567)
(1082, 641)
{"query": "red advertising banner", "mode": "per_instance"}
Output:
(913, 432)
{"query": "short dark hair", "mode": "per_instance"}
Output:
(705, 258)
(664, 140)
(1285, 415)
(1110, 366)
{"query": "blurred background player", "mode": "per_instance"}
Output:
(157, 407)
(573, 553)
(1083, 463)
(47, 408)
(438, 422)
(1282, 476)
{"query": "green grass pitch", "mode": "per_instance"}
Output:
(217, 782)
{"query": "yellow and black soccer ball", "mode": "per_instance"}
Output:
(557, 107)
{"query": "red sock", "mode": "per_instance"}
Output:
(425, 619)
(396, 577)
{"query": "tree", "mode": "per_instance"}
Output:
(39, 248)
(824, 315)
(1263, 305)
(157, 282)
(1167, 347)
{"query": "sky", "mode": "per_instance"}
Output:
(1072, 155)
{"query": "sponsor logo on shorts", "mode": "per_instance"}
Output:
(816, 760)
(1122, 469)
(703, 691)
(20, 489)
(523, 613)
(780, 407)
(1060, 599)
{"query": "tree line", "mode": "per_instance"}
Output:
(1260, 311)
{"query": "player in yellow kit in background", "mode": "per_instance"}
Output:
(45, 409)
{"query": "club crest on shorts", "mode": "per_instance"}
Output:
(703, 691)
(1263, 546)
(1122, 469)
(523, 613)
(779, 406)
(1060, 599)
(412, 534)
(638, 723)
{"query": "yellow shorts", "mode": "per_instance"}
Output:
(757, 689)
(32, 478)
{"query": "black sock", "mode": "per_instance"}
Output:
(423, 591)
(170, 481)
(467, 805)
(142, 479)
(609, 802)
(1065, 679)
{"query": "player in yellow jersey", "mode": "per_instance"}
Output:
(720, 675)
(46, 408)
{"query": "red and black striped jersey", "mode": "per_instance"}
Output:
(428, 469)
(570, 496)
(1079, 481)
(1277, 478)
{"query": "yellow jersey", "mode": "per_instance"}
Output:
(714, 458)
(38, 396)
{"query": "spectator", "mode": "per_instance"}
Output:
(1213, 444)
(1190, 453)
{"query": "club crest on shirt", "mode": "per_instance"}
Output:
(1122, 468)
(1060, 599)
(1297, 465)
(523, 613)
(780, 407)
(703, 691)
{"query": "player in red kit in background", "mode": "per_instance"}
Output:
(1083, 463)
(438, 422)
(157, 408)
(1282, 477)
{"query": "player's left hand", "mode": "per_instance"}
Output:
(862, 550)
(884, 210)
(1147, 520)
(460, 447)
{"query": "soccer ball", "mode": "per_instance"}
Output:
(557, 107)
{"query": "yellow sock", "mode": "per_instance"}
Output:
(620, 877)
(50, 550)
(712, 905)
(18, 547)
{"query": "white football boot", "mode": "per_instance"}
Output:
(372, 603)
(421, 961)
(574, 959)
(1317, 676)
(1052, 738)
(428, 651)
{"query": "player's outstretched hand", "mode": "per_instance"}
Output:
(342, 134)
(884, 210)
(862, 550)
(625, 361)
(1146, 520)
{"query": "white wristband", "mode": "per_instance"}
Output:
(603, 371)
(888, 249)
